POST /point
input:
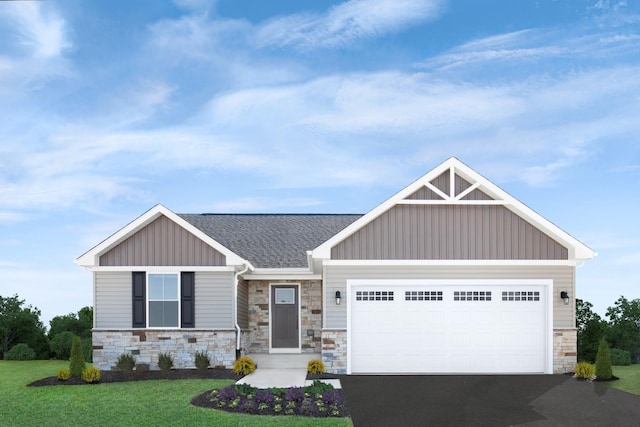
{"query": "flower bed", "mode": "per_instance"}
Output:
(316, 400)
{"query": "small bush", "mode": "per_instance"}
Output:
(91, 375)
(620, 357)
(126, 362)
(21, 352)
(603, 361)
(76, 365)
(584, 370)
(315, 366)
(63, 374)
(244, 365)
(87, 349)
(318, 387)
(165, 361)
(202, 360)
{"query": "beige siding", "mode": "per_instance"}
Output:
(438, 232)
(163, 243)
(214, 300)
(336, 279)
(243, 304)
(113, 307)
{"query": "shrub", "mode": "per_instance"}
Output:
(91, 375)
(60, 345)
(603, 361)
(244, 365)
(584, 370)
(126, 362)
(202, 360)
(165, 361)
(620, 357)
(87, 349)
(76, 365)
(315, 366)
(63, 374)
(21, 352)
(318, 387)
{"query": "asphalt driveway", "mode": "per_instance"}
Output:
(478, 400)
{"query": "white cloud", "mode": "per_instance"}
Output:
(630, 259)
(349, 22)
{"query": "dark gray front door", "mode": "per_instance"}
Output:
(284, 317)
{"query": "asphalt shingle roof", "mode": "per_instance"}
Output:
(271, 240)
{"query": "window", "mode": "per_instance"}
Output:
(164, 301)
(472, 296)
(285, 296)
(423, 295)
(374, 295)
(521, 296)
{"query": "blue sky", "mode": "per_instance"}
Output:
(251, 106)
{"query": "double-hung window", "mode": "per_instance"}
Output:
(164, 300)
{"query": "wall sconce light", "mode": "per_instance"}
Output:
(565, 297)
(338, 295)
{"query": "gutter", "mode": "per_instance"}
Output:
(247, 267)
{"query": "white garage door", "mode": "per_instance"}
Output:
(448, 328)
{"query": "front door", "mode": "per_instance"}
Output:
(284, 317)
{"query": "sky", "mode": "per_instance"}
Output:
(242, 106)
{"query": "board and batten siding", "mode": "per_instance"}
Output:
(113, 306)
(214, 300)
(438, 232)
(163, 243)
(243, 304)
(336, 280)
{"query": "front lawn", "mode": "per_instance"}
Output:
(629, 379)
(142, 403)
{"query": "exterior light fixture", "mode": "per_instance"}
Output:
(338, 295)
(565, 297)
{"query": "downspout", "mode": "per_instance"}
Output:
(247, 266)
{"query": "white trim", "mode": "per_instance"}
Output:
(577, 250)
(445, 262)
(91, 258)
(286, 350)
(450, 202)
(281, 274)
(547, 283)
(155, 268)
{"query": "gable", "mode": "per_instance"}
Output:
(452, 213)
(162, 243)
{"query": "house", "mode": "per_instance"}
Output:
(449, 275)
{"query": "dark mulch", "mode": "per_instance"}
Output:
(599, 380)
(119, 376)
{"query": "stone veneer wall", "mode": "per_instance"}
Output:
(310, 310)
(145, 345)
(334, 350)
(565, 350)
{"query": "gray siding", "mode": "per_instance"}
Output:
(113, 299)
(163, 243)
(453, 232)
(243, 304)
(214, 300)
(336, 279)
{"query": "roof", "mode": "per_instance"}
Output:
(271, 240)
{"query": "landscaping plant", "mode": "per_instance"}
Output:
(126, 362)
(63, 374)
(603, 361)
(584, 370)
(202, 360)
(91, 375)
(316, 366)
(21, 351)
(244, 365)
(76, 365)
(165, 361)
(620, 357)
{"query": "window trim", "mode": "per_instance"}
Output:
(178, 299)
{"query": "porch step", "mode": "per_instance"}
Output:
(283, 361)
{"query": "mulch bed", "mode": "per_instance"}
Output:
(118, 376)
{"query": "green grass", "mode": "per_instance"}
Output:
(143, 403)
(629, 379)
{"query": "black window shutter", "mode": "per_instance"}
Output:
(187, 295)
(139, 300)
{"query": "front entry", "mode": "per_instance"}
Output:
(284, 318)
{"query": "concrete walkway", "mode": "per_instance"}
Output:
(281, 378)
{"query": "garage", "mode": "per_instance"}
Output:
(449, 326)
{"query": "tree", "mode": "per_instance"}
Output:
(603, 361)
(20, 324)
(79, 324)
(76, 365)
(591, 329)
(624, 331)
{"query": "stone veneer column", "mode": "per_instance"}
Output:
(334, 350)
(565, 350)
(145, 345)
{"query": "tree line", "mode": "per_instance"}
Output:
(23, 336)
